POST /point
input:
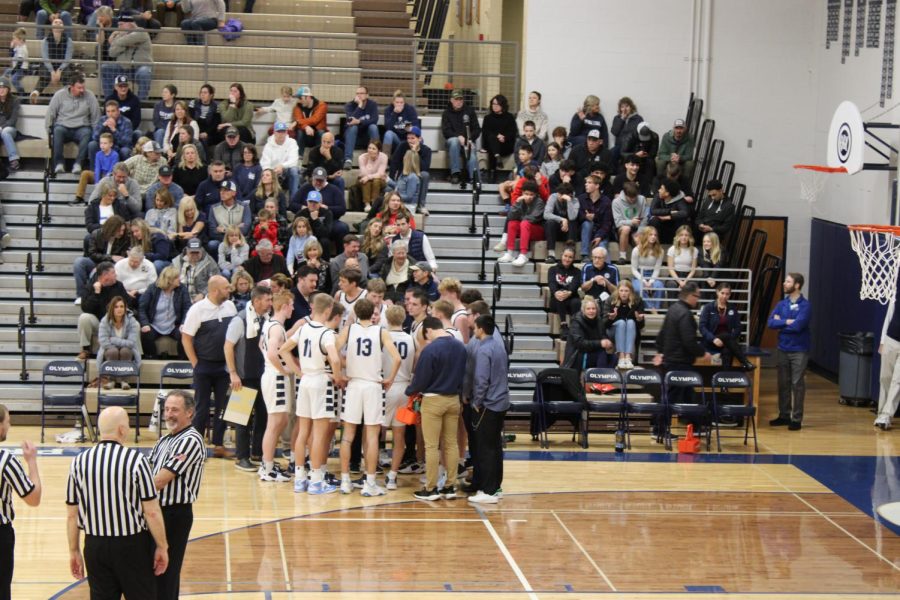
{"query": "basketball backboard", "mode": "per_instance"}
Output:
(846, 138)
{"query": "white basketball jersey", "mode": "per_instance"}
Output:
(455, 333)
(413, 331)
(364, 352)
(348, 305)
(264, 344)
(313, 338)
(456, 314)
(404, 344)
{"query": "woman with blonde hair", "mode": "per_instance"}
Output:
(372, 173)
(233, 252)
(373, 246)
(119, 337)
(624, 318)
(711, 257)
(268, 188)
(681, 258)
(409, 181)
(301, 235)
(241, 285)
(585, 119)
(393, 207)
(312, 256)
(189, 224)
(163, 216)
(163, 307)
(189, 171)
(181, 116)
(154, 243)
(646, 262)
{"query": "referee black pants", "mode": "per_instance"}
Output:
(211, 378)
(120, 565)
(248, 438)
(179, 518)
(7, 554)
(469, 417)
(488, 425)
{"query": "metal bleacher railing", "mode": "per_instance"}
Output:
(330, 63)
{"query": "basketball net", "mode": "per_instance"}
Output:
(812, 179)
(877, 247)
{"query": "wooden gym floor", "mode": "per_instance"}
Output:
(797, 520)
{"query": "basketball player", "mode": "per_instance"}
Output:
(350, 291)
(319, 369)
(396, 396)
(275, 383)
(366, 343)
(375, 291)
(451, 290)
(443, 310)
(417, 309)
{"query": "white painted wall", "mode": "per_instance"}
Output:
(772, 88)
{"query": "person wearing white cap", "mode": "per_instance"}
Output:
(310, 115)
(282, 155)
(144, 167)
(676, 146)
(9, 117)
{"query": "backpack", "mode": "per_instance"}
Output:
(232, 29)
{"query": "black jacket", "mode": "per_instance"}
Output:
(585, 162)
(677, 338)
(92, 213)
(453, 123)
(147, 311)
(97, 247)
(585, 337)
(709, 322)
(96, 304)
(718, 215)
(254, 266)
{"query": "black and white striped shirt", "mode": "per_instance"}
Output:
(183, 454)
(12, 477)
(108, 483)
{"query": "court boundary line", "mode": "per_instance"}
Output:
(833, 522)
(585, 552)
(284, 564)
(506, 553)
(227, 563)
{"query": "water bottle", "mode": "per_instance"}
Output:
(620, 440)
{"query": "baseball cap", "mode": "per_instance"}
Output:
(125, 18)
(228, 184)
(279, 126)
(313, 196)
(231, 132)
(320, 173)
(594, 133)
(678, 123)
(165, 171)
(415, 131)
(122, 80)
(456, 94)
(643, 130)
(303, 90)
(422, 265)
(194, 245)
(151, 146)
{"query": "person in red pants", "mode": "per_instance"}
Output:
(525, 222)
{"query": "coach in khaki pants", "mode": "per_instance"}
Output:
(439, 377)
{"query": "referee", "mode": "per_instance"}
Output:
(28, 487)
(111, 496)
(177, 462)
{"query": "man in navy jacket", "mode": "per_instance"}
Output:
(362, 113)
(791, 318)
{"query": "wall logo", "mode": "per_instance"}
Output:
(844, 142)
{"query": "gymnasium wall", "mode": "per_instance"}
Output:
(762, 68)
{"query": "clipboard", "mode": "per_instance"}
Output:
(240, 405)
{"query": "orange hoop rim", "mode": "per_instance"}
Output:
(821, 168)
(876, 228)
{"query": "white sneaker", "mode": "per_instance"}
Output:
(506, 258)
(346, 486)
(520, 261)
(77, 301)
(483, 498)
(384, 459)
(715, 359)
(370, 490)
(273, 475)
(500, 246)
(391, 484)
(60, 168)
(629, 364)
(621, 364)
(883, 422)
(76, 168)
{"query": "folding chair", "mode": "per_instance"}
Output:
(645, 381)
(173, 370)
(517, 378)
(63, 395)
(613, 405)
(125, 399)
(559, 393)
(723, 382)
(675, 384)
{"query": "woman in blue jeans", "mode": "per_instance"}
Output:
(9, 116)
(624, 318)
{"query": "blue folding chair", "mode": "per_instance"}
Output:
(518, 378)
(613, 405)
(677, 385)
(63, 395)
(644, 381)
(181, 371)
(125, 399)
(722, 383)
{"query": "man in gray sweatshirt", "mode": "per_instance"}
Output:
(130, 47)
(69, 118)
(205, 15)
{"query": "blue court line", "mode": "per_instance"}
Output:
(569, 588)
(704, 589)
(448, 587)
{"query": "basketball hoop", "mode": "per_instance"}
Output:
(877, 247)
(812, 179)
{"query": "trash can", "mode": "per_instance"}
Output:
(855, 370)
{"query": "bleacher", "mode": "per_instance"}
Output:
(519, 294)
